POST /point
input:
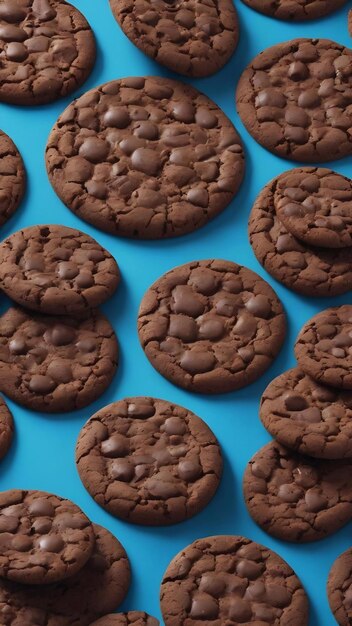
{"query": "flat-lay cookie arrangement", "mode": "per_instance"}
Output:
(176, 319)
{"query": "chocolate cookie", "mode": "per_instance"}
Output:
(132, 618)
(350, 22)
(145, 157)
(55, 364)
(6, 428)
(77, 601)
(340, 588)
(211, 326)
(308, 270)
(295, 10)
(12, 177)
(295, 99)
(323, 347)
(194, 38)
(47, 50)
(307, 417)
(44, 538)
(315, 205)
(57, 270)
(295, 497)
(149, 461)
(231, 580)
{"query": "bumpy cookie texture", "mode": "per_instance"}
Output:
(339, 588)
(211, 326)
(192, 37)
(57, 270)
(149, 461)
(55, 364)
(306, 269)
(313, 419)
(231, 580)
(132, 618)
(47, 50)
(295, 10)
(295, 497)
(324, 347)
(295, 99)
(12, 177)
(77, 601)
(44, 538)
(145, 158)
(350, 22)
(6, 428)
(315, 205)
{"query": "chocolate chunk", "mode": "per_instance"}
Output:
(12, 177)
(132, 618)
(6, 428)
(339, 588)
(295, 10)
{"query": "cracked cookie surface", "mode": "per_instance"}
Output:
(47, 50)
(306, 269)
(339, 588)
(57, 270)
(323, 348)
(12, 178)
(131, 618)
(300, 10)
(44, 538)
(6, 428)
(145, 157)
(211, 326)
(97, 589)
(295, 100)
(295, 497)
(192, 37)
(55, 364)
(149, 461)
(229, 579)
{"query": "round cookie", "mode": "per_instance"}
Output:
(12, 177)
(308, 270)
(307, 417)
(57, 270)
(77, 601)
(47, 50)
(6, 428)
(295, 100)
(295, 497)
(315, 205)
(323, 347)
(231, 580)
(44, 538)
(55, 364)
(148, 461)
(339, 588)
(211, 326)
(192, 38)
(132, 618)
(295, 10)
(145, 157)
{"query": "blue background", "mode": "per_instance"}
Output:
(42, 456)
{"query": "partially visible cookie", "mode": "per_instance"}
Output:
(132, 618)
(57, 270)
(306, 269)
(55, 364)
(192, 38)
(12, 177)
(149, 461)
(231, 580)
(47, 50)
(295, 497)
(6, 428)
(339, 588)
(96, 590)
(295, 10)
(324, 347)
(350, 22)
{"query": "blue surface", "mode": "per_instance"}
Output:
(42, 456)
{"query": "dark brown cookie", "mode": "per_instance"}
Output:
(43, 539)
(295, 10)
(308, 270)
(132, 618)
(6, 428)
(145, 157)
(194, 38)
(323, 348)
(149, 461)
(315, 205)
(295, 497)
(339, 588)
(57, 270)
(231, 580)
(211, 326)
(308, 417)
(12, 177)
(47, 50)
(350, 22)
(55, 364)
(295, 99)
(77, 601)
